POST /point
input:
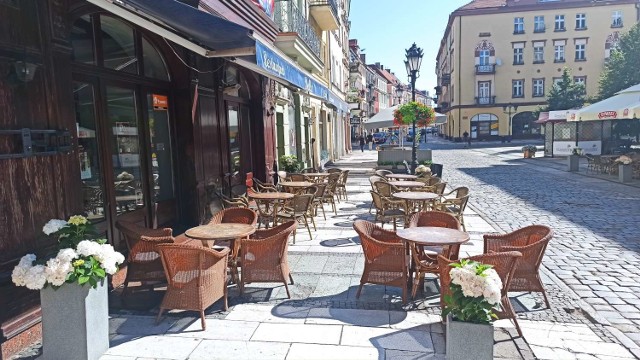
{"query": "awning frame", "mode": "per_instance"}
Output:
(133, 15)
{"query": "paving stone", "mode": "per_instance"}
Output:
(239, 350)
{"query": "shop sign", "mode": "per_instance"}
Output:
(160, 102)
(607, 115)
(565, 148)
(354, 121)
(276, 65)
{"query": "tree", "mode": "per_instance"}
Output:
(565, 94)
(621, 70)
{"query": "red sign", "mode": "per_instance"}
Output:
(607, 115)
(160, 102)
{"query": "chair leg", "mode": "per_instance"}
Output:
(287, 289)
(159, 315)
(313, 221)
(204, 324)
(306, 223)
(333, 204)
(416, 282)
(291, 278)
(324, 215)
(294, 235)
(359, 291)
(546, 301)
(394, 224)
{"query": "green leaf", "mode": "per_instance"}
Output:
(83, 279)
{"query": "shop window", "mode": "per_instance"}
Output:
(118, 45)
(82, 40)
(234, 137)
(484, 125)
(154, 66)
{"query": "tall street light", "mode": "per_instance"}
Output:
(414, 59)
(507, 110)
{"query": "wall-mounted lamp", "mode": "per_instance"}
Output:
(271, 111)
(25, 71)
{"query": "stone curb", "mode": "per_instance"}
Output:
(587, 309)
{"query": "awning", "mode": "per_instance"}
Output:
(384, 119)
(624, 105)
(340, 104)
(272, 63)
(196, 30)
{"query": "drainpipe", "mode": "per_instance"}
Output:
(459, 76)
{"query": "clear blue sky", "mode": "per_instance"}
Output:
(386, 28)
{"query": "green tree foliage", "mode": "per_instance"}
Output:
(566, 94)
(621, 71)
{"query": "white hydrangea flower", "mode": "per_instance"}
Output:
(67, 255)
(53, 226)
(35, 278)
(109, 258)
(19, 273)
(57, 270)
(88, 248)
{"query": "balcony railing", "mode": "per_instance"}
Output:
(290, 19)
(331, 3)
(486, 69)
(485, 100)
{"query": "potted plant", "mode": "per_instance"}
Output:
(475, 295)
(529, 151)
(573, 163)
(289, 163)
(73, 290)
(423, 170)
(387, 165)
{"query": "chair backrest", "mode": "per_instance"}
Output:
(332, 182)
(384, 188)
(504, 263)
(185, 264)
(308, 170)
(433, 180)
(334, 170)
(320, 189)
(267, 251)
(436, 219)
(311, 190)
(297, 177)
(375, 178)
(235, 215)
(141, 239)
(440, 187)
(461, 191)
(383, 172)
(531, 240)
(378, 203)
(300, 204)
(343, 177)
(376, 241)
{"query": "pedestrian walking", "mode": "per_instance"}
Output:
(370, 141)
(466, 137)
(361, 140)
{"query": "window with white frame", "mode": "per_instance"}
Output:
(582, 80)
(538, 87)
(559, 50)
(581, 21)
(559, 23)
(518, 25)
(538, 52)
(517, 87)
(538, 23)
(616, 18)
(484, 56)
(581, 49)
(518, 56)
(484, 89)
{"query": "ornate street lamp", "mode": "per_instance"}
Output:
(414, 60)
(399, 92)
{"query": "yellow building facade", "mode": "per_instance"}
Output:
(498, 59)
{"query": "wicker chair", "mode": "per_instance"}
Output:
(299, 208)
(330, 191)
(334, 171)
(297, 177)
(308, 170)
(143, 261)
(263, 187)
(236, 216)
(383, 173)
(372, 180)
(317, 199)
(385, 189)
(235, 201)
(455, 205)
(532, 242)
(433, 180)
(387, 208)
(264, 256)
(504, 264)
(440, 187)
(341, 186)
(384, 256)
(196, 276)
(425, 259)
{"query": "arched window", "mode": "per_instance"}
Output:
(115, 45)
(484, 126)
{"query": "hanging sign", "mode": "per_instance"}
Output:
(160, 102)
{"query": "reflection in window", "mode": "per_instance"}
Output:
(118, 45)
(160, 148)
(234, 137)
(154, 66)
(92, 186)
(82, 40)
(123, 120)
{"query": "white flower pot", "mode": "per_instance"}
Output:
(625, 173)
(468, 340)
(573, 163)
(75, 322)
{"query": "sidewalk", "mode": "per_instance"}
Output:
(324, 320)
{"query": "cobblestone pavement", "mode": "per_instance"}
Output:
(595, 248)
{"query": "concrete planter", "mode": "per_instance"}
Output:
(75, 322)
(469, 341)
(625, 173)
(573, 163)
(384, 167)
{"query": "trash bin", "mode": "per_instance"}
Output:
(436, 169)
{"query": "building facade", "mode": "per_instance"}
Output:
(357, 90)
(499, 58)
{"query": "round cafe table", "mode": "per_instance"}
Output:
(294, 186)
(420, 197)
(433, 236)
(407, 184)
(275, 197)
(402, 176)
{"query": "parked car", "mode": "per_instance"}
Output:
(379, 138)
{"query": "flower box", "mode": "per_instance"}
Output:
(465, 338)
(75, 321)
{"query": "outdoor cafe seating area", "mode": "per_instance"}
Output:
(418, 230)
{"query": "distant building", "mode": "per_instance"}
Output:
(499, 54)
